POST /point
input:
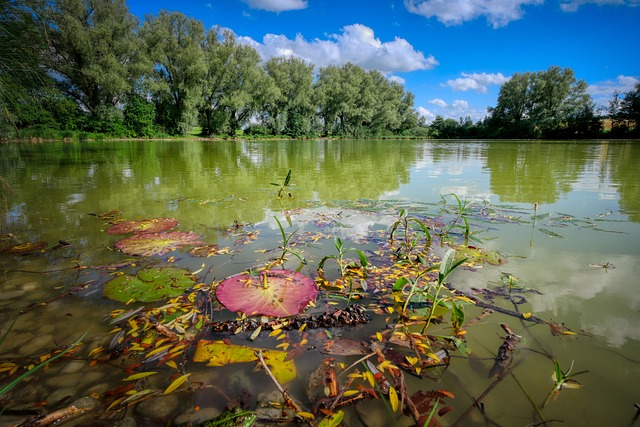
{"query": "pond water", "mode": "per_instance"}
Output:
(564, 215)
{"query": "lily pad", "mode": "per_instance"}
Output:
(148, 285)
(145, 244)
(278, 293)
(153, 225)
(25, 248)
(479, 256)
(219, 353)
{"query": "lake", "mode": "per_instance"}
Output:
(561, 220)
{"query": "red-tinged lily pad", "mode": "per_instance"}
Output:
(153, 225)
(148, 285)
(278, 293)
(145, 244)
(25, 248)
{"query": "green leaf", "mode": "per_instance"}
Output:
(400, 284)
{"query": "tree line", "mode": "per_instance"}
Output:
(90, 66)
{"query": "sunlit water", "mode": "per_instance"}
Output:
(588, 200)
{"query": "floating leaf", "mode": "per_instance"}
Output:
(139, 376)
(276, 293)
(151, 284)
(145, 244)
(332, 420)
(25, 248)
(153, 225)
(393, 399)
(176, 383)
(477, 256)
(218, 353)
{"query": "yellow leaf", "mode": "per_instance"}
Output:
(349, 393)
(369, 377)
(172, 364)
(275, 332)
(95, 351)
(379, 336)
(218, 353)
(139, 375)
(412, 360)
(158, 350)
(305, 415)
(393, 399)
(526, 315)
(176, 383)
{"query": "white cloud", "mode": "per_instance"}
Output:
(602, 92)
(439, 102)
(454, 12)
(455, 110)
(428, 115)
(574, 5)
(356, 44)
(476, 81)
(277, 5)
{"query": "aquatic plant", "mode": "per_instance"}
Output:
(283, 186)
(286, 248)
(344, 266)
(411, 238)
(460, 220)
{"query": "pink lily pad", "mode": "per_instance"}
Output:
(145, 244)
(153, 225)
(278, 293)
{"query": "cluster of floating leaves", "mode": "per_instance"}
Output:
(269, 300)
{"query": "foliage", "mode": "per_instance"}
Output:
(139, 116)
(174, 45)
(349, 271)
(411, 239)
(541, 104)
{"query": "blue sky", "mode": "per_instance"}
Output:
(453, 55)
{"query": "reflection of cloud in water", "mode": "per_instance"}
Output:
(603, 302)
(355, 224)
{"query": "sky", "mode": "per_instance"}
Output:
(453, 55)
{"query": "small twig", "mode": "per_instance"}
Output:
(288, 400)
(70, 411)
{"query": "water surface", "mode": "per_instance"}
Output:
(588, 215)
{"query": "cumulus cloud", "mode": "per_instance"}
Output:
(454, 12)
(356, 44)
(602, 92)
(439, 102)
(478, 82)
(455, 110)
(574, 5)
(277, 5)
(428, 115)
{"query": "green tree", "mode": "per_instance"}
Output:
(290, 110)
(630, 109)
(95, 53)
(139, 115)
(174, 43)
(542, 104)
(234, 84)
(21, 77)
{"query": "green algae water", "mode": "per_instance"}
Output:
(564, 215)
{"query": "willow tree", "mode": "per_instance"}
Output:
(174, 44)
(234, 84)
(290, 110)
(541, 104)
(95, 54)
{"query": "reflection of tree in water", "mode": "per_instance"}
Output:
(529, 172)
(204, 184)
(623, 165)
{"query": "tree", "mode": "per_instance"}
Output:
(94, 50)
(290, 109)
(174, 43)
(541, 104)
(21, 77)
(234, 85)
(630, 108)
